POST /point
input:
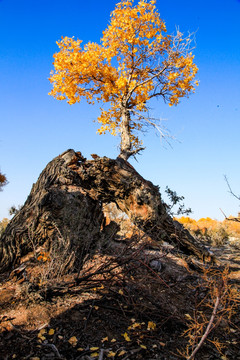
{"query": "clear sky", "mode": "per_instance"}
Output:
(35, 127)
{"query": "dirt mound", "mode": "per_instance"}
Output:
(78, 284)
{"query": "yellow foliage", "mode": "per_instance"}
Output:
(135, 61)
(211, 228)
(3, 225)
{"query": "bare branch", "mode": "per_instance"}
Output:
(161, 130)
(208, 329)
(237, 219)
(230, 189)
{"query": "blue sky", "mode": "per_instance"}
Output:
(35, 127)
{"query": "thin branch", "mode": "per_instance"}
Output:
(164, 134)
(237, 219)
(230, 189)
(146, 81)
(230, 218)
(208, 329)
(101, 354)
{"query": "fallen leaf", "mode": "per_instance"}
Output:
(41, 337)
(73, 341)
(122, 352)
(94, 348)
(113, 340)
(104, 339)
(95, 354)
(126, 337)
(151, 325)
(187, 316)
(111, 354)
(143, 347)
(51, 332)
(134, 326)
(42, 331)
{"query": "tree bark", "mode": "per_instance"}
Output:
(126, 145)
(66, 203)
(58, 212)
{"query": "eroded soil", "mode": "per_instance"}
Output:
(133, 305)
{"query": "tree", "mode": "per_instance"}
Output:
(3, 181)
(135, 61)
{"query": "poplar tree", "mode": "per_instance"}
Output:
(135, 62)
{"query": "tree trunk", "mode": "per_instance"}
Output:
(66, 203)
(126, 145)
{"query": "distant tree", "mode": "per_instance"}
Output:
(135, 61)
(3, 225)
(3, 181)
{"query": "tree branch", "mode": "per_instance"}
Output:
(146, 81)
(230, 189)
(208, 329)
(150, 121)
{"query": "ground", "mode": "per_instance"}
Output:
(131, 300)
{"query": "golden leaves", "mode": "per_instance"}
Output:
(135, 61)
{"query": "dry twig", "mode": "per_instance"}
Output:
(208, 329)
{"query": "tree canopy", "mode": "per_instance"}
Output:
(135, 61)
